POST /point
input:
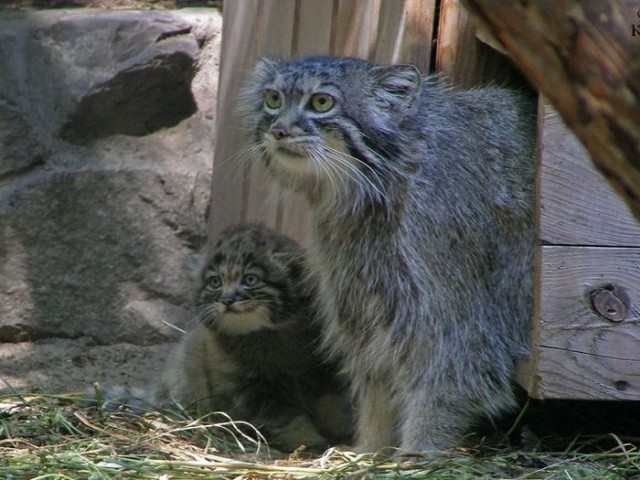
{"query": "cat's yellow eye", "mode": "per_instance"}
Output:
(272, 99)
(321, 102)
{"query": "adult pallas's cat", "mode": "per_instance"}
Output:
(422, 234)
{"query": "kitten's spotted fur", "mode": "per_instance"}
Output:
(422, 234)
(254, 352)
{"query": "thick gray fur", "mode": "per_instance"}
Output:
(422, 234)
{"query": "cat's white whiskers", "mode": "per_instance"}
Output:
(205, 313)
(331, 171)
(317, 164)
(379, 185)
(358, 175)
(367, 185)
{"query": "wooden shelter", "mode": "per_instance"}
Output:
(585, 337)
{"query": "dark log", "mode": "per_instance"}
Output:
(584, 56)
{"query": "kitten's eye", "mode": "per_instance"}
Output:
(322, 102)
(250, 280)
(215, 282)
(272, 99)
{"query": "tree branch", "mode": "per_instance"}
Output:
(584, 56)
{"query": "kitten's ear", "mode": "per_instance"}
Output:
(288, 259)
(398, 85)
(282, 259)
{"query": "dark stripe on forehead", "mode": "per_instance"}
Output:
(306, 123)
(323, 66)
(218, 258)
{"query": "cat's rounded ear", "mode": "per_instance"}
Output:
(250, 96)
(264, 69)
(397, 85)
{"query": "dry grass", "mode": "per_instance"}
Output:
(51, 437)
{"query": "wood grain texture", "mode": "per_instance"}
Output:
(461, 56)
(584, 55)
(577, 206)
(241, 192)
(227, 189)
(313, 28)
(354, 30)
(274, 38)
(576, 352)
(405, 33)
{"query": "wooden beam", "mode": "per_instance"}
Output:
(577, 206)
(585, 340)
(584, 55)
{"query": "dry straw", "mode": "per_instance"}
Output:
(52, 437)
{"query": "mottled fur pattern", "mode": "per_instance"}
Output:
(254, 351)
(422, 234)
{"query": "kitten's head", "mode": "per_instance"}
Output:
(252, 280)
(328, 126)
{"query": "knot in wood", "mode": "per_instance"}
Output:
(607, 303)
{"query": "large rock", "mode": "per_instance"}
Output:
(106, 128)
(85, 244)
(19, 149)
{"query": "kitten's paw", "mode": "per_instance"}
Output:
(333, 415)
(298, 431)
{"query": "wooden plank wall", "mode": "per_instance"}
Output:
(577, 205)
(585, 341)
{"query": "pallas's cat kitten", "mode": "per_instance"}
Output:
(254, 353)
(422, 234)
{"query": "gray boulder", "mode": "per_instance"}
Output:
(106, 149)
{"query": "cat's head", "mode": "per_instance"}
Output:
(251, 281)
(329, 125)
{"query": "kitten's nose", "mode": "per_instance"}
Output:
(228, 299)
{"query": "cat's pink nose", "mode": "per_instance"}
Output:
(279, 132)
